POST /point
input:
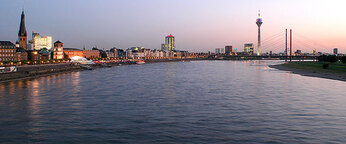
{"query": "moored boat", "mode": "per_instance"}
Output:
(140, 62)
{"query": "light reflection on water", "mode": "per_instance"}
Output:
(195, 102)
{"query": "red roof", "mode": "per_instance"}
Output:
(170, 35)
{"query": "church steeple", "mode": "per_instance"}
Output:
(22, 29)
(22, 36)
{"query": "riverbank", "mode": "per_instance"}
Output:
(33, 71)
(314, 69)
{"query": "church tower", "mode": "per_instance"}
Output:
(22, 36)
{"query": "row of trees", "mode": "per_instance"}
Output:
(332, 58)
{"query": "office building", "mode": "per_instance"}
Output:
(228, 49)
(39, 42)
(170, 43)
(163, 47)
(335, 50)
(248, 48)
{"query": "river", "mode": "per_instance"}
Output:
(174, 102)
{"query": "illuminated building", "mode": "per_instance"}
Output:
(259, 23)
(71, 52)
(170, 43)
(45, 54)
(34, 55)
(21, 54)
(248, 48)
(22, 36)
(228, 49)
(91, 54)
(7, 51)
(58, 51)
(39, 42)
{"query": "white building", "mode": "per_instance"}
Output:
(39, 42)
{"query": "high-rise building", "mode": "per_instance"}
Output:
(335, 51)
(222, 50)
(217, 50)
(248, 48)
(58, 51)
(39, 42)
(163, 47)
(22, 36)
(228, 49)
(170, 43)
(259, 23)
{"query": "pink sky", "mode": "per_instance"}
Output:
(198, 25)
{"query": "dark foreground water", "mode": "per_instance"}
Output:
(177, 102)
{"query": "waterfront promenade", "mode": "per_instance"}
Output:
(30, 71)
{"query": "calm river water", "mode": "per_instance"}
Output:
(175, 102)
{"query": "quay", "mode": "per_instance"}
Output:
(31, 71)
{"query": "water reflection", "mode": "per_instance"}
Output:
(197, 102)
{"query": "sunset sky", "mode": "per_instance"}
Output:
(198, 25)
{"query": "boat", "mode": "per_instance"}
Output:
(140, 62)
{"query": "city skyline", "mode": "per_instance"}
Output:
(140, 23)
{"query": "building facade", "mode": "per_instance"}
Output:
(170, 43)
(335, 51)
(71, 52)
(22, 35)
(39, 42)
(58, 51)
(163, 47)
(21, 54)
(91, 54)
(33, 55)
(229, 49)
(248, 48)
(7, 51)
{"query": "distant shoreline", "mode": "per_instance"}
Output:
(312, 73)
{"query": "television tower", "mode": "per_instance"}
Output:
(259, 23)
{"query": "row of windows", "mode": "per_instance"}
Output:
(7, 47)
(6, 50)
(6, 54)
(6, 59)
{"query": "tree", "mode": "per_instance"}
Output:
(322, 58)
(343, 59)
(332, 58)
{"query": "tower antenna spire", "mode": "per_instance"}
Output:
(259, 13)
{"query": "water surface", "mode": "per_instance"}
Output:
(175, 102)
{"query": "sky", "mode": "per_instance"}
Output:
(198, 25)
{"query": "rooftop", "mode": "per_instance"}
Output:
(72, 49)
(7, 43)
(58, 41)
